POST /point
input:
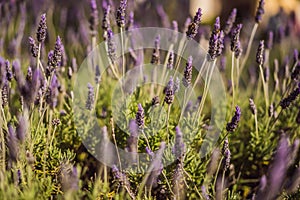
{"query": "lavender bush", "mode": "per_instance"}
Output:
(42, 137)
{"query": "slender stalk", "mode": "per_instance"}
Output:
(122, 51)
(115, 141)
(264, 87)
(168, 116)
(232, 81)
(256, 125)
(249, 46)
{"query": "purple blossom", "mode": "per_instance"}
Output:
(12, 143)
(187, 79)
(260, 11)
(169, 98)
(155, 60)
(155, 101)
(260, 55)
(214, 41)
(4, 94)
(52, 92)
(231, 126)
(193, 27)
(90, 98)
(230, 21)
(179, 147)
(105, 21)
(33, 47)
(176, 87)
(252, 106)
(9, 73)
(170, 64)
(121, 14)
(286, 102)
(94, 19)
(111, 45)
(42, 29)
(235, 41)
(139, 118)
(22, 127)
(57, 53)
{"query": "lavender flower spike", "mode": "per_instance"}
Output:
(121, 15)
(111, 45)
(94, 20)
(286, 102)
(105, 21)
(230, 21)
(33, 47)
(22, 127)
(231, 126)
(193, 27)
(235, 41)
(179, 144)
(169, 98)
(269, 44)
(170, 63)
(187, 79)
(57, 53)
(260, 11)
(91, 97)
(12, 143)
(155, 60)
(42, 29)
(139, 118)
(260, 53)
(214, 40)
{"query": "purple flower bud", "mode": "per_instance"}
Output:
(139, 118)
(176, 85)
(42, 29)
(170, 64)
(235, 41)
(121, 14)
(155, 101)
(179, 147)
(122, 179)
(29, 74)
(214, 41)
(94, 19)
(269, 44)
(52, 92)
(252, 106)
(169, 98)
(57, 53)
(220, 44)
(4, 94)
(33, 47)
(111, 45)
(155, 60)
(230, 21)
(260, 55)
(9, 74)
(130, 25)
(296, 56)
(186, 24)
(286, 102)
(105, 21)
(231, 126)
(90, 98)
(260, 11)
(187, 79)
(193, 27)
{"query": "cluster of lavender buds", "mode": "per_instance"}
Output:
(193, 27)
(231, 126)
(4, 93)
(260, 55)
(33, 47)
(9, 74)
(187, 78)
(140, 117)
(176, 87)
(235, 41)
(260, 11)
(121, 15)
(94, 20)
(230, 21)
(134, 133)
(22, 128)
(90, 98)
(105, 20)
(122, 179)
(155, 60)
(42, 29)
(286, 102)
(57, 53)
(170, 63)
(226, 154)
(12, 143)
(52, 92)
(155, 101)
(111, 45)
(169, 98)
(252, 106)
(130, 24)
(216, 41)
(179, 146)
